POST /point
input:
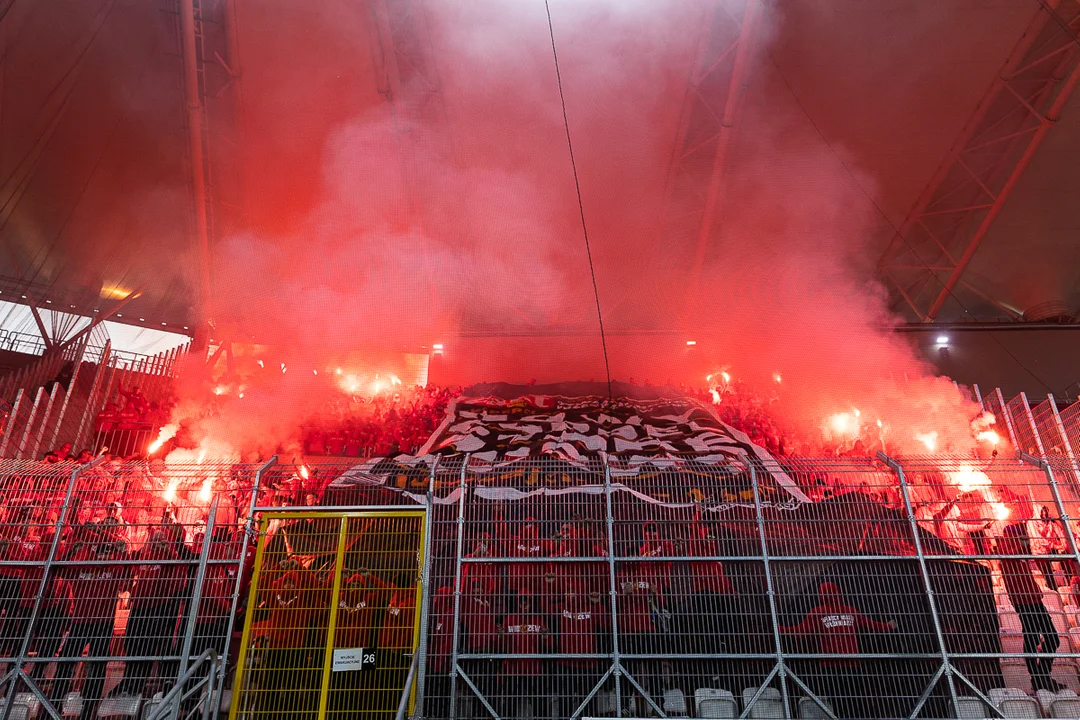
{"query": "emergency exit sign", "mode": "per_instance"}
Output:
(348, 659)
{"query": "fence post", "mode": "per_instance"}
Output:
(1031, 423)
(917, 540)
(1007, 417)
(771, 592)
(425, 600)
(91, 408)
(196, 598)
(44, 428)
(29, 423)
(609, 521)
(249, 529)
(58, 530)
(1074, 479)
(70, 390)
(457, 590)
(5, 441)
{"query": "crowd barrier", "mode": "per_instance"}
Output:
(918, 587)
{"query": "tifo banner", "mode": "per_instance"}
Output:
(641, 431)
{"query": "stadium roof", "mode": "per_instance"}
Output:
(866, 98)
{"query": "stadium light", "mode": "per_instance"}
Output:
(942, 339)
(437, 347)
(691, 342)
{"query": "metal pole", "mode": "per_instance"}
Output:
(70, 390)
(92, 407)
(193, 100)
(609, 521)
(196, 597)
(917, 540)
(17, 671)
(44, 428)
(781, 666)
(425, 600)
(457, 591)
(331, 629)
(1031, 423)
(29, 423)
(1005, 415)
(1075, 478)
(403, 703)
(249, 528)
(11, 421)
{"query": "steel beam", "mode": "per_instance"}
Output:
(952, 216)
(709, 118)
(196, 119)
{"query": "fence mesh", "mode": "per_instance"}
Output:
(922, 587)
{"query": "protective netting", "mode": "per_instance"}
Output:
(902, 589)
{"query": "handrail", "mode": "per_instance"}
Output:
(403, 704)
(177, 693)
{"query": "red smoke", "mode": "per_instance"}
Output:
(379, 233)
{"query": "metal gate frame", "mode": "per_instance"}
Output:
(343, 514)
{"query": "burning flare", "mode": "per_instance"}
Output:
(968, 478)
(928, 439)
(206, 492)
(167, 433)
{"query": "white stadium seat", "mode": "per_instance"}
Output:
(1062, 704)
(1015, 703)
(19, 710)
(120, 706)
(972, 708)
(713, 703)
(674, 703)
(810, 709)
(769, 705)
(33, 705)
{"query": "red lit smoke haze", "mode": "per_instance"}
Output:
(380, 232)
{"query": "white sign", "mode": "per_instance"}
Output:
(353, 659)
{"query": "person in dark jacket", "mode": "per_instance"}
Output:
(96, 583)
(155, 607)
(1040, 637)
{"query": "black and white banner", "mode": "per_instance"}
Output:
(640, 432)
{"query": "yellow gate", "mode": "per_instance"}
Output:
(332, 618)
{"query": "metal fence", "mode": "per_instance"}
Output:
(922, 587)
(60, 397)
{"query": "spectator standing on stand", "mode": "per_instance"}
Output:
(1040, 637)
(526, 633)
(834, 625)
(155, 607)
(96, 583)
(1048, 538)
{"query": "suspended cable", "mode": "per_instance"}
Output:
(581, 205)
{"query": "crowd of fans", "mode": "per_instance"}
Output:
(133, 539)
(127, 424)
(125, 568)
(386, 424)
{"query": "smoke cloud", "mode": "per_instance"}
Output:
(378, 229)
